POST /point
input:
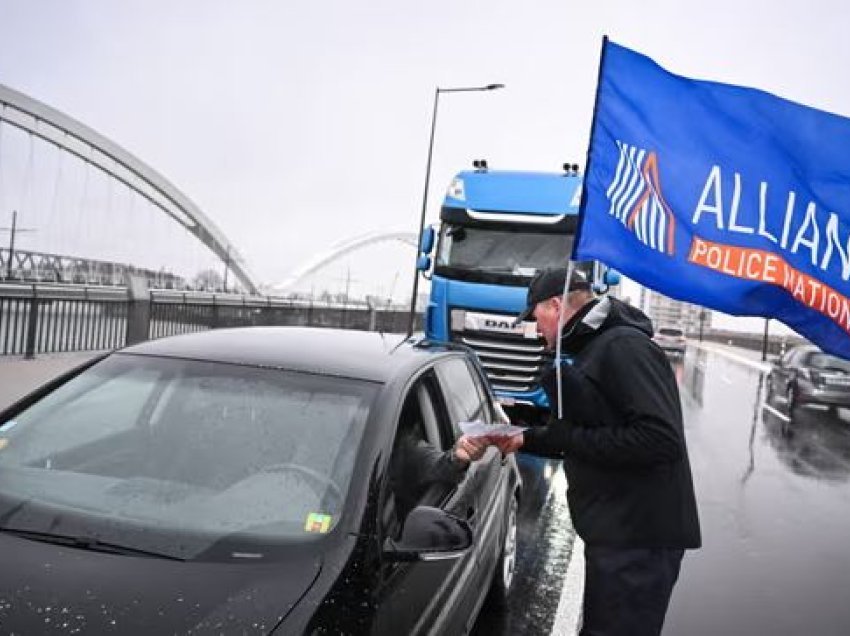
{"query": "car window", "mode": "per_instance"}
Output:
(83, 410)
(437, 421)
(786, 359)
(463, 395)
(420, 471)
(799, 356)
(175, 455)
(826, 362)
(484, 393)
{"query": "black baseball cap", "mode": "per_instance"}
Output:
(547, 283)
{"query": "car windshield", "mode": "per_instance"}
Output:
(513, 252)
(182, 457)
(826, 362)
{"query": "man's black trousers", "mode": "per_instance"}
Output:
(626, 591)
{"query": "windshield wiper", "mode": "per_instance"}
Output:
(87, 543)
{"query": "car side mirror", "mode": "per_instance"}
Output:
(423, 263)
(430, 534)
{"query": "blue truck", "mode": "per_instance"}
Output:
(497, 228)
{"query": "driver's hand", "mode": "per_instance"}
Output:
(469, 449)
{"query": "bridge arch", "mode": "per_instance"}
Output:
(339, 250)
(74, 137)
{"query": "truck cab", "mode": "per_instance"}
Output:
(497, 228)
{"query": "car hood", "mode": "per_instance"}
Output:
(46, 589)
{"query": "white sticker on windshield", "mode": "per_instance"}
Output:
(7, 426)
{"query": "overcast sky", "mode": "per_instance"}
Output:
(296, 125)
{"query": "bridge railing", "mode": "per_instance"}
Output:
(38, 319)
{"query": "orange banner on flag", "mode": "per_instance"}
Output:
(768, 267)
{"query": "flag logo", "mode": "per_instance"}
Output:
(637, 201)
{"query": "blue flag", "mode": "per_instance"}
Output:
(719, 195)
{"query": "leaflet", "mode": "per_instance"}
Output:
(482, 429)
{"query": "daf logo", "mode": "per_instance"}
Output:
(490, 323)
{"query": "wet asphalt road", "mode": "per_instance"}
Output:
(774, 504)
(774, 500)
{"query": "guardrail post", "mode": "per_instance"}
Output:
(214, 321)
(138, 309)
(32, 323)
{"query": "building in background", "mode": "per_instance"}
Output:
(665, 311)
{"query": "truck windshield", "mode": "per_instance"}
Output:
(475, 253)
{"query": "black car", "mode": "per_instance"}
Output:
(807, 375)
(241, 482)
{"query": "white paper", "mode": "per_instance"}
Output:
(482, 429)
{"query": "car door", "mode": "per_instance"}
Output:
(468, 400)
(423, 596)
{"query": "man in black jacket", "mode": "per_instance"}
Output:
(630, 492)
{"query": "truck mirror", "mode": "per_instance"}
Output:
(427, 243)
(612, 277)
(423, 263)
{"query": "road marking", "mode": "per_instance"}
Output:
(781, 416)
(568, 616)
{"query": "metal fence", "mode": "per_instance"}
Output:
(776, 345)
(37, 319)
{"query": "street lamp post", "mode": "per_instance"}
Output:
(437, 92)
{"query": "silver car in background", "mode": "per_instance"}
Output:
(671, 340)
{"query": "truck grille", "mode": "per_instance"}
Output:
(511, 363)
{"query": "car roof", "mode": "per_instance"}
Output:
(364, 355)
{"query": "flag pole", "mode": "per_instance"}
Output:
(571, 264)
(583, 200)
(570, 269)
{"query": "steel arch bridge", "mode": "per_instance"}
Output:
(341, 249)
(74, 137)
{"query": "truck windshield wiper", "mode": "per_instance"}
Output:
(87, 543)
